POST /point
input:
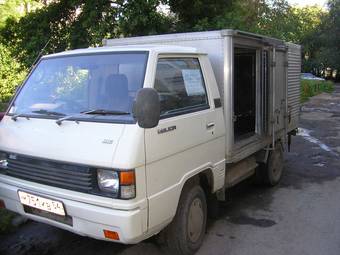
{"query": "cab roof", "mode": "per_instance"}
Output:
(158, 49)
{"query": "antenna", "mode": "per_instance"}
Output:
(40, 53)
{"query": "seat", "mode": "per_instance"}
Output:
(116, 93)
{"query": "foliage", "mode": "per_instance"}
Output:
(70, 24)
(65, 23)
(330, 36)
(311, 88)
(8, 9)
(140, 17)
(323, 44)
(15, 9)
(11, 74)
(274, 18)
(3, 107)
(292, 24)
(197, 15)
(306, 20)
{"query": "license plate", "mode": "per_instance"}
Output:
(41, 203)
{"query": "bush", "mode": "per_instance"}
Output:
(3, 107)
(11, 75)
(311, 88)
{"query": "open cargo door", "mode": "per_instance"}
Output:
(279, 90)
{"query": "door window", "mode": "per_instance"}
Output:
(180, 84)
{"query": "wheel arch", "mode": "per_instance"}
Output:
(203, 178)
(161, 214)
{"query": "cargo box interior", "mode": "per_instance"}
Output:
(244, 92)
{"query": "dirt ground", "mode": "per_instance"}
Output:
(300, 216)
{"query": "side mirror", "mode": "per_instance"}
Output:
(146, 108)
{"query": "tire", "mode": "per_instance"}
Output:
(184, 235)
(270, 173)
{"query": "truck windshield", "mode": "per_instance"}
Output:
(78, 84)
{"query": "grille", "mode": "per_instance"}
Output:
(72, 177)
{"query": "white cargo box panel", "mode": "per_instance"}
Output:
(281, 97)
(294, 84)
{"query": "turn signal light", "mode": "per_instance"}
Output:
(127, 184)
(127, 177)
(111, 235)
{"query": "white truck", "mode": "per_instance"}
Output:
(144, 135)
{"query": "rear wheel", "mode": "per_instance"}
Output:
(270, 173)
(186, 232)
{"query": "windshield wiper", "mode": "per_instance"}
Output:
(41, 111)
(16, 116)
(94, 112)
(50, 113)
(60, 121)
(105, 112)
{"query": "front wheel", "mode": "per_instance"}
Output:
(186, 232)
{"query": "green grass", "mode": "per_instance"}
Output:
(6, 218)
(310, 88)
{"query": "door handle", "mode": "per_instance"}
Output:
(210, 125)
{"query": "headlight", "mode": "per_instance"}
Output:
(121, 184)
(108, 181)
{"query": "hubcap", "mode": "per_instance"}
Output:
(195, 221)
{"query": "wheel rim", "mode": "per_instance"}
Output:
(196, 220)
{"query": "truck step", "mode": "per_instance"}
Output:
(239, 171)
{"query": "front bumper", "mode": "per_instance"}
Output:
(88, 219)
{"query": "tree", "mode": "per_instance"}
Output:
(322, 45)
(16, 8)
(275, 18)
(330, 36)
(140, 17)
(246, 15)
(11, 74)
(28, 35)
(306, 21)
(70, 24)
(197, 15)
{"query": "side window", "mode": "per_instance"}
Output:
(180, 84)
